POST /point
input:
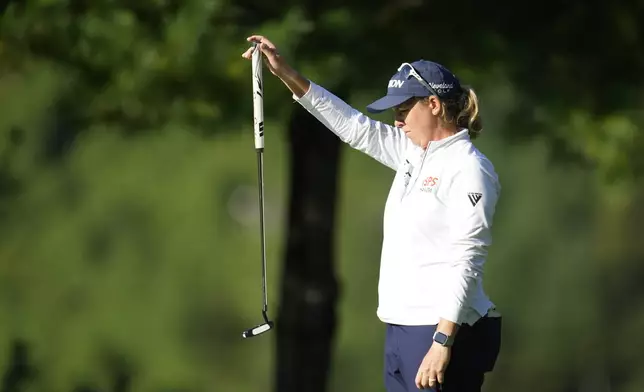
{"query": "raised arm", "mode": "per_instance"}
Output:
(383, 142)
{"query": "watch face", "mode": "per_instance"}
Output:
(440, 338)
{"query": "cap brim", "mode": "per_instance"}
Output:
(387, 102)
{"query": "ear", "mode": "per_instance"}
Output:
(435, 105)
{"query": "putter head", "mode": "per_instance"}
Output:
(258, 330)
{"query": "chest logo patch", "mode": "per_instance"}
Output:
(429, 184)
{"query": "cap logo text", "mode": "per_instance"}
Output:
(442, 85)
(395, 83)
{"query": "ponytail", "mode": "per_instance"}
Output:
(469, 116)
(464, 112)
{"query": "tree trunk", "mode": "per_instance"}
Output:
(306, 321)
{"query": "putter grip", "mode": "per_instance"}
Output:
(258, 98)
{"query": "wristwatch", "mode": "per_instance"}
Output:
(443, 339)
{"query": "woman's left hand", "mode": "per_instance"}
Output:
(432, 370)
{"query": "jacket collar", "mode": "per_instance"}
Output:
(433, 146)
(437, 144)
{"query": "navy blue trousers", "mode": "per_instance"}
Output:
(474, 353)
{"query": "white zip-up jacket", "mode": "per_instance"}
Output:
(437, 218)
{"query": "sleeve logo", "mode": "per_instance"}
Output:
(474, 197)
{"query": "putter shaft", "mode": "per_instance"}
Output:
(262, 229)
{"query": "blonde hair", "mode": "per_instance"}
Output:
(463, 111)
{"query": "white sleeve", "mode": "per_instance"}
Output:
(472, 198)
(383, 142)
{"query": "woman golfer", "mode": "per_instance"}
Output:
(442, 330)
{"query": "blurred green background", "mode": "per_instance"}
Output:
(129, 246)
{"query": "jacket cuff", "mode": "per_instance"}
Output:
(453, 313)
(308, 99)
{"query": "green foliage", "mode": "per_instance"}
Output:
(128, 233)
(134, 65)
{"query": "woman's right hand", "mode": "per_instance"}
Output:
(278, 66)
(274, 61)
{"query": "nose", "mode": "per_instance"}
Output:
(399, 124)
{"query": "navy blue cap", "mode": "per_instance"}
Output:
(403, 85)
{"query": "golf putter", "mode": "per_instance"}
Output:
(258, 123)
